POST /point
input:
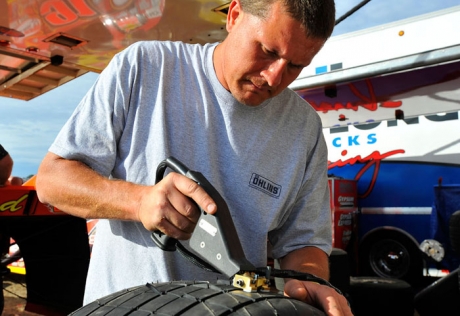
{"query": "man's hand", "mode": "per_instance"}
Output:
(168, 207)
(12, 180)
(322, 296)
(76, 189)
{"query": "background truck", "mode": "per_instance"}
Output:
(389, 100)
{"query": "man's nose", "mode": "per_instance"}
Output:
(274, 72)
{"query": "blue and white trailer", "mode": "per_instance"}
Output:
(389, 99)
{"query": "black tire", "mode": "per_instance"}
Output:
(440, 298)
(391, 253)
(339, 270)
(381, 297)
(454, 232)
(195, 298)
(2, 300)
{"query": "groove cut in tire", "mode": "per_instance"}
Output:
(190, 298)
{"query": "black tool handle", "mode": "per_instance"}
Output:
(215, 240)
(162, 240)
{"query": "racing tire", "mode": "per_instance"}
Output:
(391, 253)
(381, 297)
(441, 297)
(339, 268)
(197, 298)
(454, 231)
(2, 300)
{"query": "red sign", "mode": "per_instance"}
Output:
(23, 201)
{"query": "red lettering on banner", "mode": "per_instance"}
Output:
(58, 13)
(82, 8)
(373, 159)
(368, 102)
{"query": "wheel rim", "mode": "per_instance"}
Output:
(389, 258)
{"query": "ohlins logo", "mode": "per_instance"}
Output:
(264, 185)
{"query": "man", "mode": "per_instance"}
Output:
(223, 110)
(6, 166)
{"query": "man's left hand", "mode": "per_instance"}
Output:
(322, 296)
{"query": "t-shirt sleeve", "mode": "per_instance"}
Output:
(92, 132)
(309, 221)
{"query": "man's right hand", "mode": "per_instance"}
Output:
(76, 189)
(168, 206)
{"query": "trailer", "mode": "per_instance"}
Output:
(389, 100)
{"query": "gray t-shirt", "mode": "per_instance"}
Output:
(161, 99)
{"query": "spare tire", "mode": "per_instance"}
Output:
(190, 298)
(391, 253)
(454, 232)
(378, 296)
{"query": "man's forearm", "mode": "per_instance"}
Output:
(309, 259)
(74, 188)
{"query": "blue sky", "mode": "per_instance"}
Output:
(27, 128)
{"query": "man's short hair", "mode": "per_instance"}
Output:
(316, 16)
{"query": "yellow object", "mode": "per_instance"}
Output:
(249, 282)
(17, 270)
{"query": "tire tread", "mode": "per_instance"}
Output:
(194, 299)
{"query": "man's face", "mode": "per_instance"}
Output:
(261, 57)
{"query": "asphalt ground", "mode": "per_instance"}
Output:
(15, 294)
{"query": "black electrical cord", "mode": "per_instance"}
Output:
(292, 274)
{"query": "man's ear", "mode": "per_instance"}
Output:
(234, 11)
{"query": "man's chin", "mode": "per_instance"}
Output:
(251, 99)
(254, 104)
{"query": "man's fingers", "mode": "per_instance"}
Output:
(167, 226)
(176, 206)
(181, 207)
(193, 190)
(169, 206)
(334, 307)
(318, 295)
(296, 289)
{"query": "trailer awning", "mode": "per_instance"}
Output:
(24, 76)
